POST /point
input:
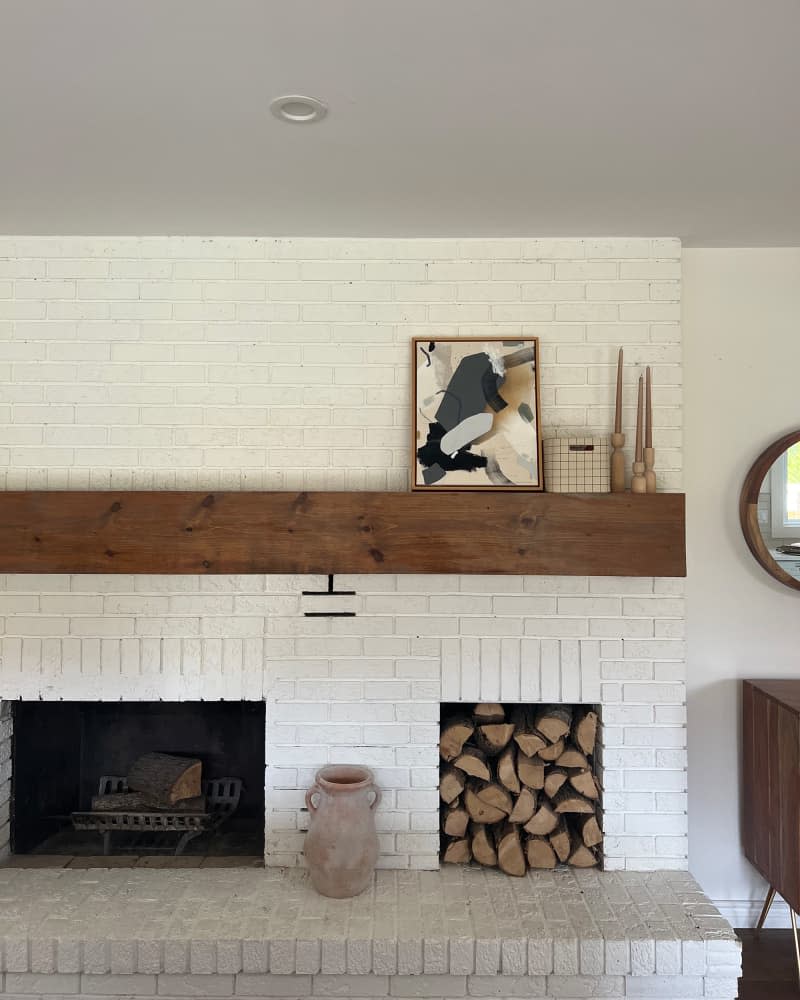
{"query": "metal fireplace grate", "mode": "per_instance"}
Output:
(222, 797)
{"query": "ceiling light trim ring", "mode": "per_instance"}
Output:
(298, 109)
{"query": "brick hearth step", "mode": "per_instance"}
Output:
(453, 933)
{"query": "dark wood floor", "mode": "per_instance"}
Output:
(770, 971)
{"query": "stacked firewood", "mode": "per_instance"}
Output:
(518, 787)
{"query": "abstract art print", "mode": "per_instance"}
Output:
(476, 422)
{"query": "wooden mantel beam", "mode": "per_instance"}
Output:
(437, 532)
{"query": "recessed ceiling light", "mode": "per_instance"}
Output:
(298, 110)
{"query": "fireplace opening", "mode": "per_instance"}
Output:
(138, 779)
(520, 786)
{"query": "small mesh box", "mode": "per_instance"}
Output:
(576, 465)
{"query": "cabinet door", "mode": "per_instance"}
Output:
(757, 805)
(771, 791)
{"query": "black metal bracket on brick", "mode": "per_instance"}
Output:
(330, 592)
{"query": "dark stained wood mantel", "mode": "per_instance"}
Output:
(611, 534)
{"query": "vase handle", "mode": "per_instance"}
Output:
(377, 792)
(314, 790)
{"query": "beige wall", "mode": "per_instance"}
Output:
(741, 322)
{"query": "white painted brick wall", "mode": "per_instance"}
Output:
(284, 364)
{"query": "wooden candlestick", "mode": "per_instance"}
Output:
(649, 454)
(638, 482)
(649, 471)
(617, 463)
(618, 438)
(618, 408)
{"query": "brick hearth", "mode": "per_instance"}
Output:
(452, 933)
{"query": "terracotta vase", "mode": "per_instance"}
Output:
(341, 845)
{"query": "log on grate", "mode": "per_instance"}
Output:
(519, 787)
(218, 802)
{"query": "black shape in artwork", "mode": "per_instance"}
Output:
(432, 474)
(472, 386)
(431, 454)
(491, 383)
(496, 475)
(525, 412)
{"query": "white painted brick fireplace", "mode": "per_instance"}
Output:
(368, 689)
(285, 364)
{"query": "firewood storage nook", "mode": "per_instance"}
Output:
(519, 786)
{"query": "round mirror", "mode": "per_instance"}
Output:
(770, 510)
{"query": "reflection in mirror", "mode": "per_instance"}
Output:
(779, 511)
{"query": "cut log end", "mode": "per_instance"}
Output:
(584, 731)
(483, 849)
(451, 783)
(494, 737)
(507, 769)
(583, 782)
(526, 737)
(530, 771)
(591, 833)
(164, 779)
(543, 821)
(487, 802)
(454, 735)
(553, 752)
(473, 762)
(488, 712)
(540, 853)
(481, 812)
(524, 807)
(553, 721)
(457, 852)
(570, 801)
(455, 820)
(571, 756)
(582, 857)
(554, 779)
(510, 856)
(561, 842)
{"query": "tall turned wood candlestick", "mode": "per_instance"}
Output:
(649, 452)
(638, 482)
(618, 438)
(649, 456)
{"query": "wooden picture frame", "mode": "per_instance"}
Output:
(479, 404)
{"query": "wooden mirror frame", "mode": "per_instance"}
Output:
(748, 508)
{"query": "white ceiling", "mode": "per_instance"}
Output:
(447, 117)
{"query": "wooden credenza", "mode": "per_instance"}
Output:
(771, 772)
